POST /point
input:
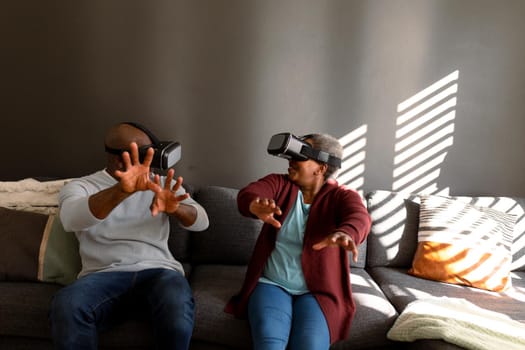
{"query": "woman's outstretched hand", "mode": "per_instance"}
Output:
(339, 239)
(265, 209)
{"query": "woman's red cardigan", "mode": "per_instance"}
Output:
(326, 271)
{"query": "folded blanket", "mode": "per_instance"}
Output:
(31, 195)
(458, 322)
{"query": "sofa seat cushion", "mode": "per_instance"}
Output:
(402, 288)
(24, 308)
(213, 286)
(374, 314)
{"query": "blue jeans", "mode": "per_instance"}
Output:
(99, 301)
(279, 319)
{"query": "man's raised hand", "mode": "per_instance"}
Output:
(136, 175)
(166, 199)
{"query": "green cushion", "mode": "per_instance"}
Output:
(59, 255)
(35, 247)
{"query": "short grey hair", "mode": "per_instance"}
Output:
(329, 144)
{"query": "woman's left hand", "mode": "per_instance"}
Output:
(338, 239)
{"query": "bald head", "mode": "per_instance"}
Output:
(118, 139)
(121, 135)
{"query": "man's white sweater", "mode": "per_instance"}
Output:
(130, 238)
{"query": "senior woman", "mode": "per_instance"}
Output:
(296, 293)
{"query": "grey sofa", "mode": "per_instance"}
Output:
(215, 262)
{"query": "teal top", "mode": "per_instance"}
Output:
(283, 268)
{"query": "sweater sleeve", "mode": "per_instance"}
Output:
(74, 207)
(201, 222)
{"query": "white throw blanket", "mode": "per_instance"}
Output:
(31, 195)
(459, 322)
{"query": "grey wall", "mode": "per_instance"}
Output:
(222, 76)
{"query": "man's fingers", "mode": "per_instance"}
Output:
(154, 210)
(169, 177)
(178, 184)
(134, 150)
(153, 186)
(148, 158)
(126, 159)
(182, 197)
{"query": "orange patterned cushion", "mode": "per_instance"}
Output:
(463, 244)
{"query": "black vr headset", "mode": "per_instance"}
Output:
(288, 146)
(167, 153)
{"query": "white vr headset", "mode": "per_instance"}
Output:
(288, 146)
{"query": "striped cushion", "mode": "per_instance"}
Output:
(464, 244)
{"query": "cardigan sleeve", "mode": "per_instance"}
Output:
(266, 187)
(354, 217)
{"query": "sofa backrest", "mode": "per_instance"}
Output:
(179, 240)
(393, 235)
(230, 237)
(395, 219)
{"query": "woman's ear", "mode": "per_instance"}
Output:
(322, 169)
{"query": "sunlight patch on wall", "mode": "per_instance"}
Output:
(425, 128)
(352, 169)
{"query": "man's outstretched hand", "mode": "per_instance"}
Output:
(166, 199)
(136, 175)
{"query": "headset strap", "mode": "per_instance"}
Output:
(141, 127)
(321, 156)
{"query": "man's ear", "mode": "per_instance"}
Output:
(114, 162)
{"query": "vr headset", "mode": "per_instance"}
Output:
(288, 146)
(167, 153)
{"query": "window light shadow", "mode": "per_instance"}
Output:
(352, 169)
(424, 135)
(425, 128)
(510, 206)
